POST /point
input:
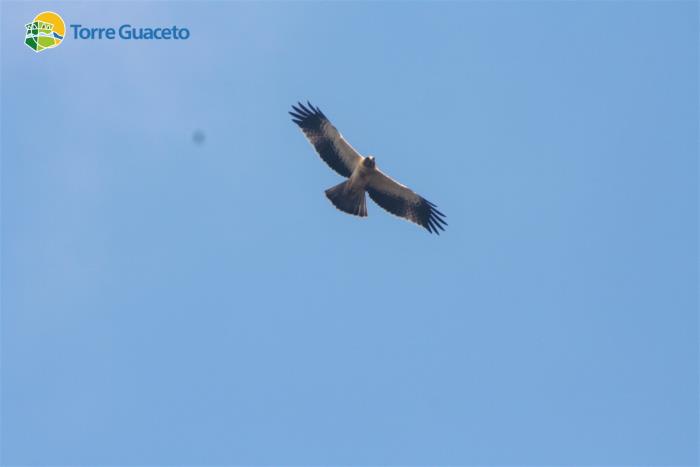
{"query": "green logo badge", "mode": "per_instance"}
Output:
(45, 32)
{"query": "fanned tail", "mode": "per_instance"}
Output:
(347, 199)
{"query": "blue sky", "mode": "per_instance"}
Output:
(166, 302)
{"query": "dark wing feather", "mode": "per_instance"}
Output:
(403, 202)
(326, 139)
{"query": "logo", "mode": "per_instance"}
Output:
(45, 32)
(48, 30)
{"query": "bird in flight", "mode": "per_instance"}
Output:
(362, 175)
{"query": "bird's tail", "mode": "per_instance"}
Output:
(347, 199)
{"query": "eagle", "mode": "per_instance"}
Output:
(362, 175)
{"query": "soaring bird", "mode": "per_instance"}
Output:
(362, 175)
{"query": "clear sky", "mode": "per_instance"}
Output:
(166, 301)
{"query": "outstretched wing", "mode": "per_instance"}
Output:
(327, 141)
(403, 202)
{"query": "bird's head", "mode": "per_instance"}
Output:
(368, 162)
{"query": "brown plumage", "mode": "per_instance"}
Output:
(362, 175)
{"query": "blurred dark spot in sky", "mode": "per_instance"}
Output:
(198, 137)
